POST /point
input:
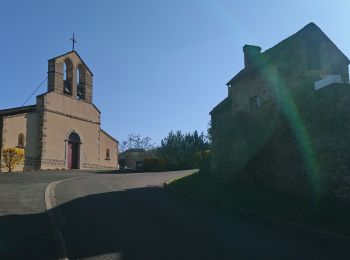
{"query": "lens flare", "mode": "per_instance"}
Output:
(290, 109)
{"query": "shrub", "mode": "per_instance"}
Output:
(178, 149)
(153, 164)
(12, 157)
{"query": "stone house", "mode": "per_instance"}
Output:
(286, 119)
(63, 129)
(132, 158)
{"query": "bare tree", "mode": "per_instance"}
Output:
(137, 142)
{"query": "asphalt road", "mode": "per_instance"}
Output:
(132, 217)
(25, 231)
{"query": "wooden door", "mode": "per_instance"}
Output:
(75, 156)
(70, 155)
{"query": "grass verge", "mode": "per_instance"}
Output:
(328, 214)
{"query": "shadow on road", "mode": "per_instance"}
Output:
(139, 224)
(149, 223)
(26, 237)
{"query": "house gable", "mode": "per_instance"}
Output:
(296, 140)
(306, 56)
(286, 52)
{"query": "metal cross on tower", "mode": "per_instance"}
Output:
(73, 40)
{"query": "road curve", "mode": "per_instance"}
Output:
(108, 216)
(56, 219)
(132, 217)
(25, 231)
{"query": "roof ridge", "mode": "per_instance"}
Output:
(309, 26)
(274, 49)
(17, 110)
(76, 53)
(21, 107)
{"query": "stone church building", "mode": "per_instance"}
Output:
(63, 129)
(286, 119)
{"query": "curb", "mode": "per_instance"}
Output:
(309, 230)
(56, 220)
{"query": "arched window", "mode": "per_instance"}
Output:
(107, 154)
(21, 140)
(74, 137)
(68, 77)
(81, 82)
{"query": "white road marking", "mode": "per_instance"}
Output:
(56, 219)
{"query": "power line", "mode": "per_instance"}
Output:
(40, 85)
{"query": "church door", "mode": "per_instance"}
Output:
(75, 156)
(73, 151)
(69, 155)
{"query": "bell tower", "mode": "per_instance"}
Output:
(69, 75)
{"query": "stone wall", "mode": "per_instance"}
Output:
(107, 142)
(26, 124)
(57, 130)
(62, 115)
(298, 139)
(302, 150)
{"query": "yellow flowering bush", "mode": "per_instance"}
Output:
(12, 157)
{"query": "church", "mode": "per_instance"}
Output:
(63, 129)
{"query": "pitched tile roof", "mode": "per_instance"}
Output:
(17, 110)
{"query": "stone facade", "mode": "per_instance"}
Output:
(275, 129)
(65, 111)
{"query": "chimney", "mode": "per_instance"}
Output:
(250, 53)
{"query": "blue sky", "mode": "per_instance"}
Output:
(158, 65)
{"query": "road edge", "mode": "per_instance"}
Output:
(57, 220)
(310, 230)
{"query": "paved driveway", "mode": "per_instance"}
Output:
(132, 217)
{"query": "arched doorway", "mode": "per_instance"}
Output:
(73, 151)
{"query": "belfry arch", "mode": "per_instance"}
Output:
(81, 82)
(68, 77)
(68, 74)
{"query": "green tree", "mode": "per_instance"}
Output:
(179, 150)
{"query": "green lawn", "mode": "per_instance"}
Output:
(329, 214)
